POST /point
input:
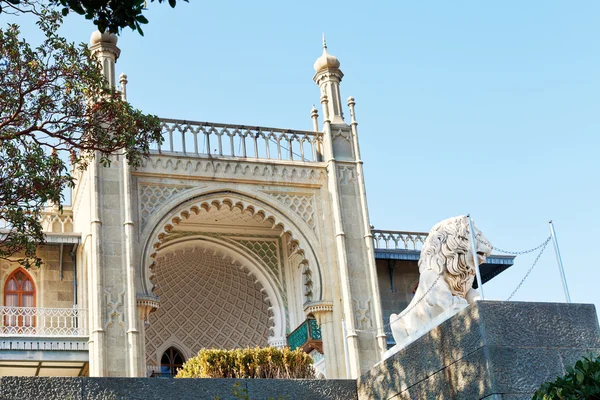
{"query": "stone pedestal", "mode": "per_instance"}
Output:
(490, 350)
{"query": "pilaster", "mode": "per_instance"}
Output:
(116, 345)
(353, 245)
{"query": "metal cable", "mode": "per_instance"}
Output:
(515, 253)
(543, 246)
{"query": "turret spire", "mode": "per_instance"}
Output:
(328, 76)
(104, 47)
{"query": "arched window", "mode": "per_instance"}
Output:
(19, 292)
(171, 360)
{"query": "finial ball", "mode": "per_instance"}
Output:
(98, 38)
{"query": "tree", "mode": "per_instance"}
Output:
(111, 15)
(54, 101)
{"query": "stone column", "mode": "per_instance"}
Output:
(116, 348)
(352, 241)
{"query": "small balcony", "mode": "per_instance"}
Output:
(43, 341)
(307, 336)
(48, 322)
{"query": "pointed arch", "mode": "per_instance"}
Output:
(171, 360)
(19, 292)
(300, 245)
(19, 289)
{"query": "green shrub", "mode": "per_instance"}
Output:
(582, 382)
(268, 362)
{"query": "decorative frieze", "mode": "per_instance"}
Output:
(288, 174)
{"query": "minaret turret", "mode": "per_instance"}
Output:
(104, 47)
(328, 76)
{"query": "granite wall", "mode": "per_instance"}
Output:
(26, 388)
(490, 350)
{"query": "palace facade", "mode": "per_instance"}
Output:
(227, 236)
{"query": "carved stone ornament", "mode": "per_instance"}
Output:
(447, 272)
(114, 307)
(147, 304)
(318, 308)
(346, 174)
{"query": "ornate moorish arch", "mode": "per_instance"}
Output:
(300, 244)
(235, 258)
(213, 295)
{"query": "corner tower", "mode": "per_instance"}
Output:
(103, 214)
(356, 285)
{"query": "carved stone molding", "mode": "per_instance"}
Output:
(234, 169)
(343, 134)
(318, 308)
(146, 304)
(346, 174)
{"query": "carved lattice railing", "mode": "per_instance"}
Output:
(225, 140)
(306, 336)
(398, 240)
(56, 221)
(52, 220)
(33, 321)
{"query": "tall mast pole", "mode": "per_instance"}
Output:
(561, 269)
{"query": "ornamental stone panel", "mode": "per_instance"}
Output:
(206, 301)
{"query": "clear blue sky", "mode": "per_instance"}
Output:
(488, 108)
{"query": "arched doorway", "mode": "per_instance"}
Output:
(229, 272)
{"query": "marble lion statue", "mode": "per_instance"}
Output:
(446, 254)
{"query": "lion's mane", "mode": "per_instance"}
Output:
(445, 252)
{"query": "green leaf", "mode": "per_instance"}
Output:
(579, 377)
(65, 11)
(172, 3)
(141, 19)
(139, 29)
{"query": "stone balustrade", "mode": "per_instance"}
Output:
(47, 322)
(52, 219)
(398, 240)
(56, 221)
(225, 140)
